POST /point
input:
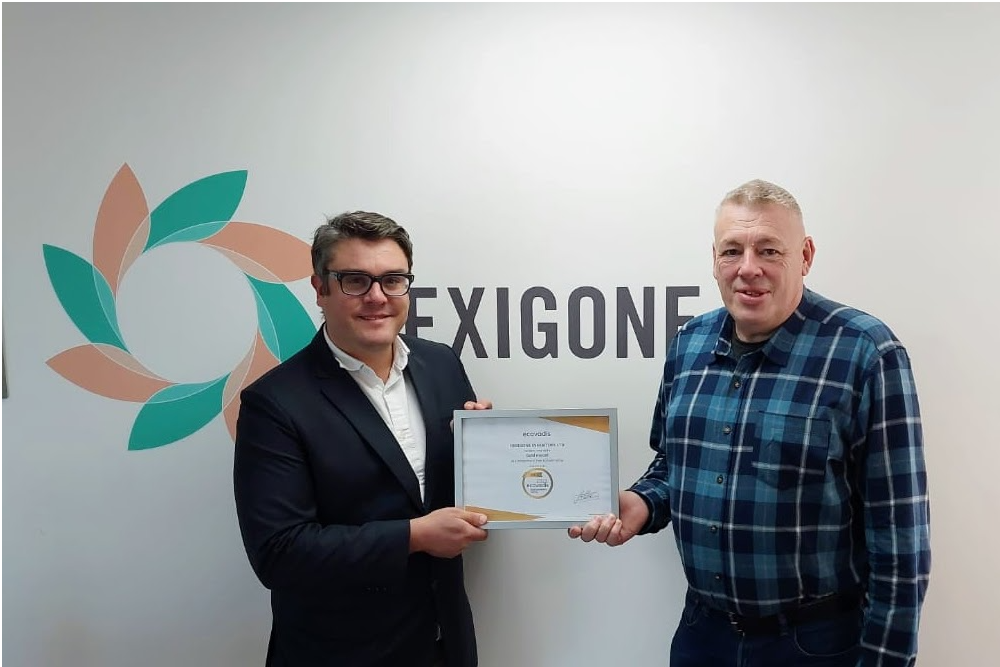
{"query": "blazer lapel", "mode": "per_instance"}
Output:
(431, 408)
(343, 392)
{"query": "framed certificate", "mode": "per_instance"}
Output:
(537, 468)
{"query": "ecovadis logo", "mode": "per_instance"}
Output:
(200, 212)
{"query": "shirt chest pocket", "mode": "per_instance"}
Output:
(791, 450)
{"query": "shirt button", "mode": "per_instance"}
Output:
(718, 577)
(727, 429)
(736, 384)
(719, 479)
(714, 529)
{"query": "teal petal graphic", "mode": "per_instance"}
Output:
(176, 412)
(200, 208)
(284, 324)
(196, 233)
(85, 296)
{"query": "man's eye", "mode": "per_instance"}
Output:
(769, 252)
(729, 252)
(392, 281)
(356, 281)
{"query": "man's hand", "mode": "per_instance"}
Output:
(446, 532)
(473, 405)
(612, 530)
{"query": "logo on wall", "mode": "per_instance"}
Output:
(200, 212)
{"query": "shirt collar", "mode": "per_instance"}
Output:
(779, 345)
(400, 355)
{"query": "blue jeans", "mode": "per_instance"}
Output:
(706, 639)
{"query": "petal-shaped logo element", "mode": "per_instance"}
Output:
(197, 210)
(258, 361)
(108, 371)
(283, 322)
(122, 227)
(176, 412)
(200, 211)
(265, 253)
(84, 295)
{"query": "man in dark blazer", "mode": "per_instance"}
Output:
(344, 472)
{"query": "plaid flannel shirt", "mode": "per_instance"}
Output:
(796, 471)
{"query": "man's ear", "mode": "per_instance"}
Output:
(808, 253)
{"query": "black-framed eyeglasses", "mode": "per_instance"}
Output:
(358, 283)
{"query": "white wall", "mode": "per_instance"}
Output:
(557, 146)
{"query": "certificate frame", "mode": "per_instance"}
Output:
(592, 462)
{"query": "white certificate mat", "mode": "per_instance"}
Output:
(537, 468)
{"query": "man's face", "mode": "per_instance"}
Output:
(364, 326)
(761, 255)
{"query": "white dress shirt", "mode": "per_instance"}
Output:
(395, 400)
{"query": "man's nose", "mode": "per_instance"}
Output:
(749, 264)
(375, 294)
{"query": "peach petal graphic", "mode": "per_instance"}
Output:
(103, 370)
(258, 361)
(248, 266)
(280, 254)
(119, 221)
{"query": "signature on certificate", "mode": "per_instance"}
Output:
(585, 495)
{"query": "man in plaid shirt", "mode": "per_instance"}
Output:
(789, 457)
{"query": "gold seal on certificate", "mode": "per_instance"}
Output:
(537, 482)
(537, 468)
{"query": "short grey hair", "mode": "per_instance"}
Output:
(355, 225)
(761, 193)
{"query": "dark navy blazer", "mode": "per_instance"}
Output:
(324, 496)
